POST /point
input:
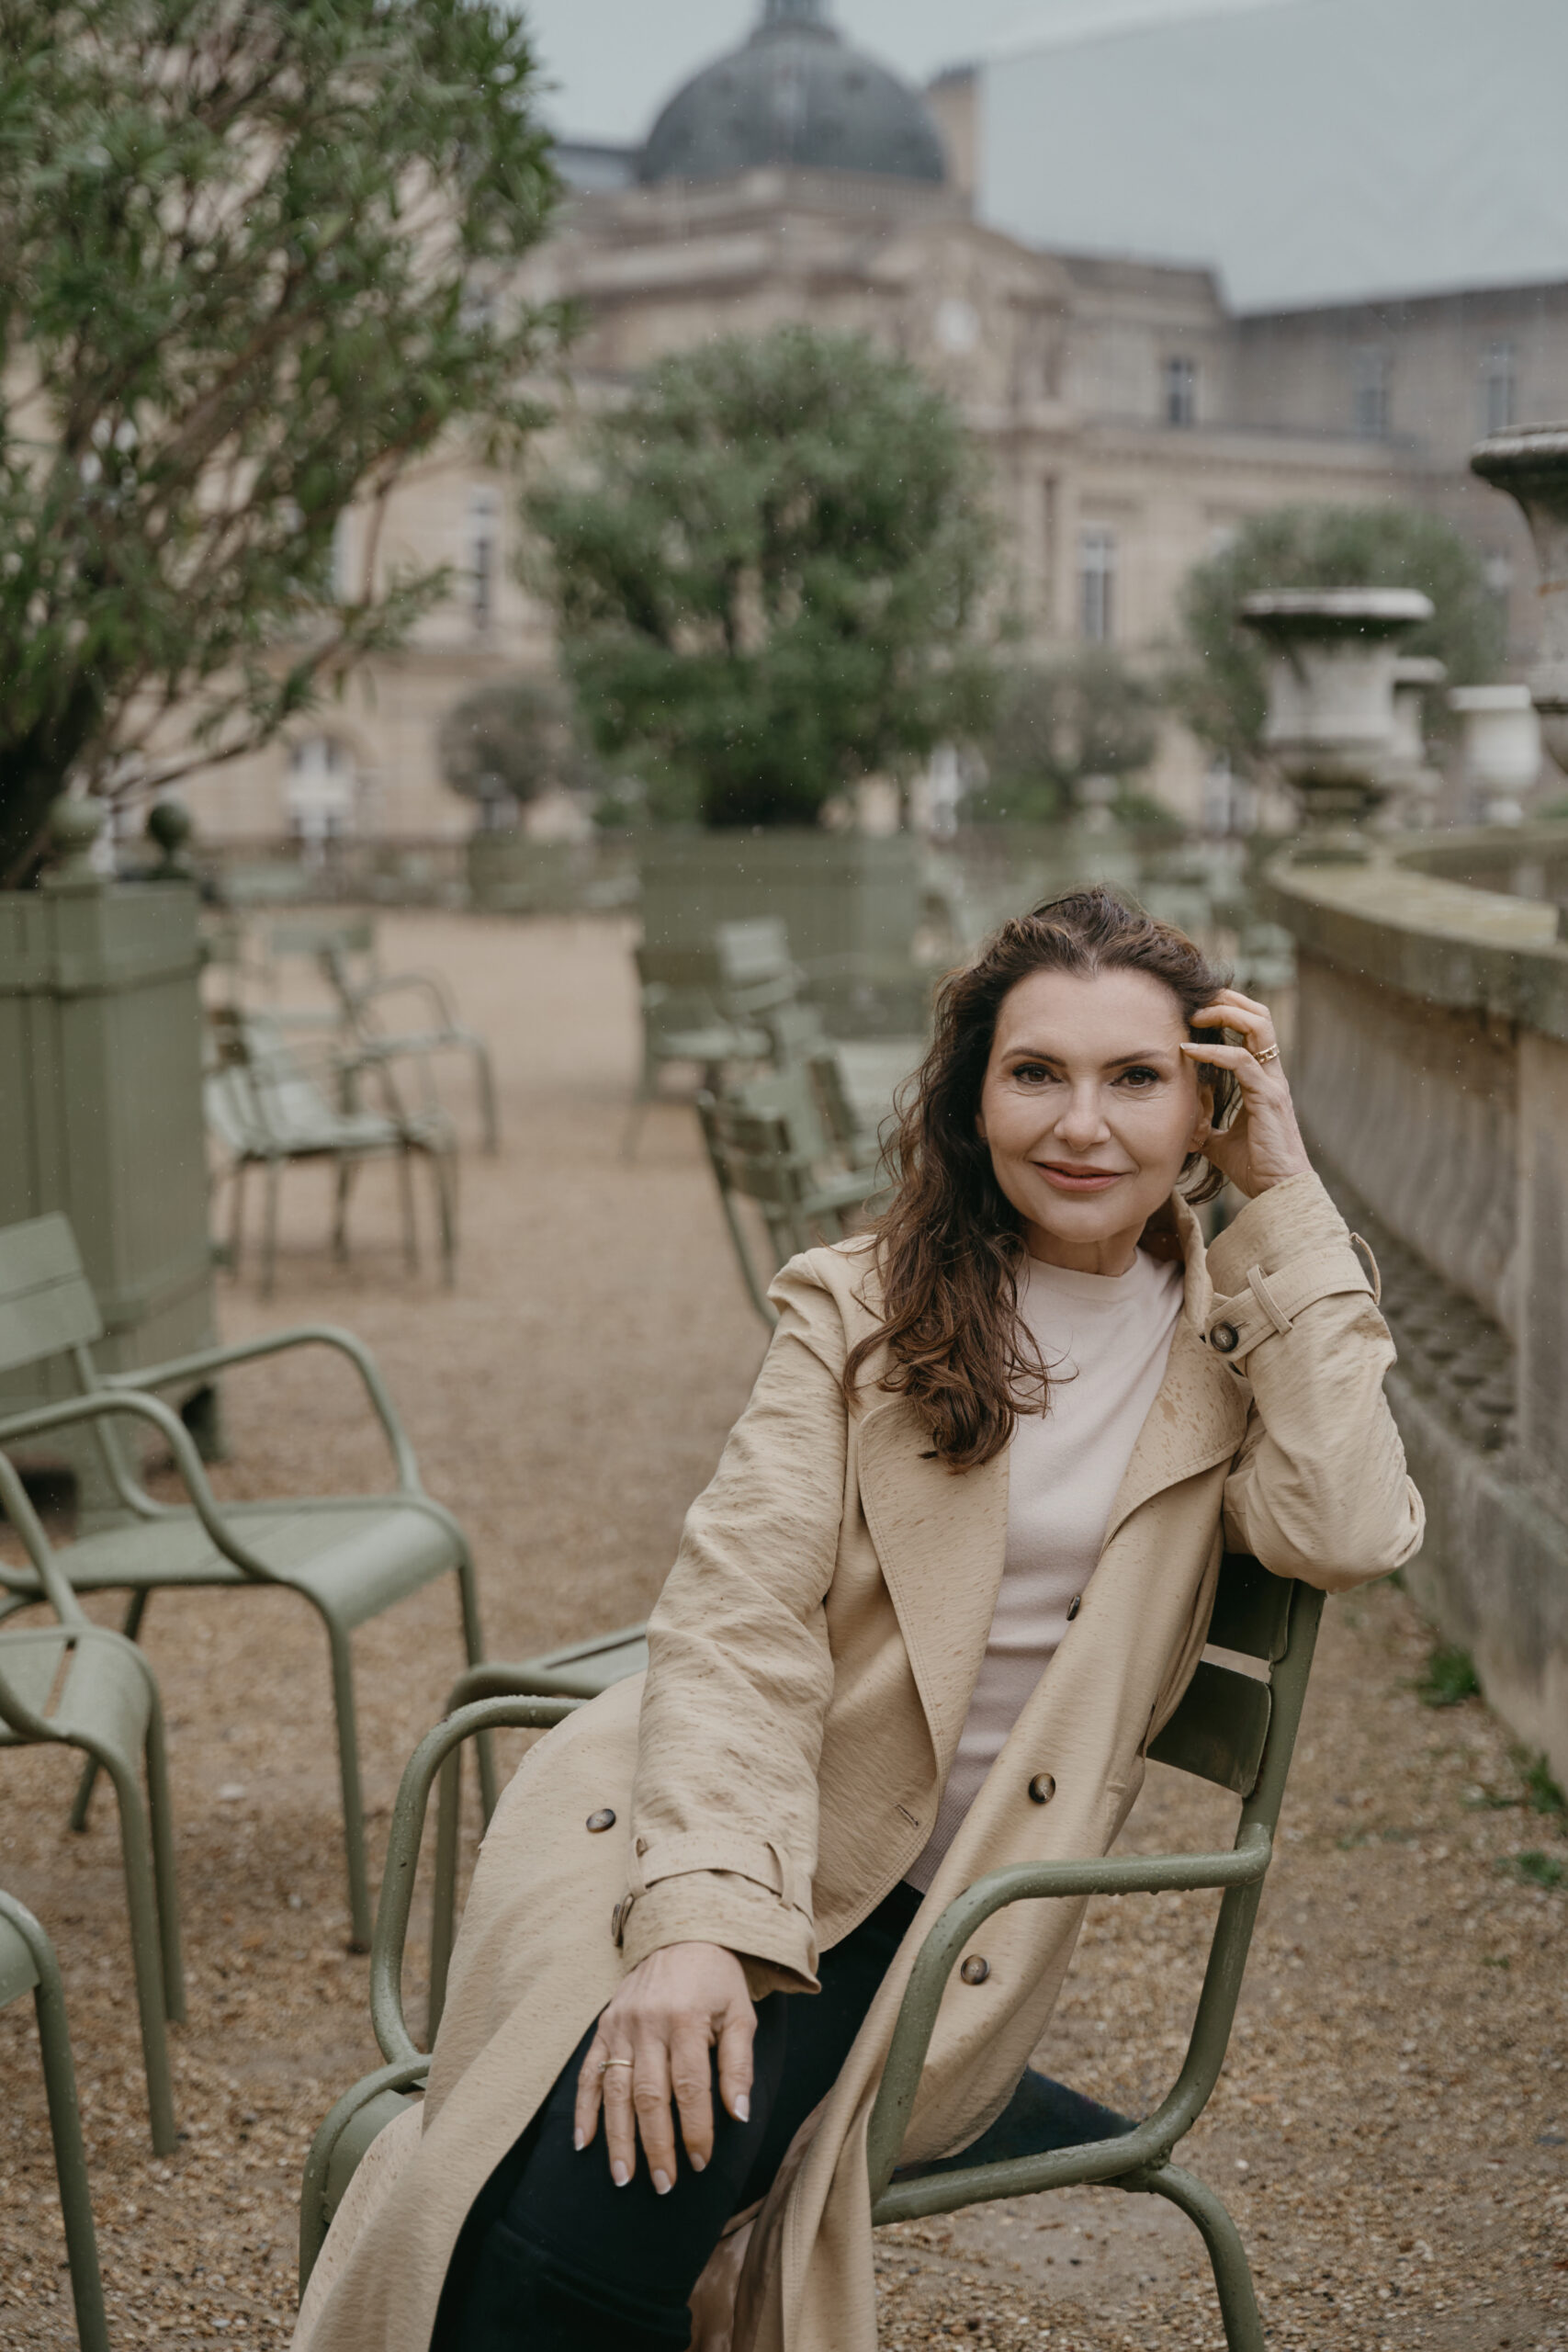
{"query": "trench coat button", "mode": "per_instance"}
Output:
(603, 1819)
(1074, 1606)
(1042, 1789)
(974, 1970)
(1226, 1338)
(616, 1915)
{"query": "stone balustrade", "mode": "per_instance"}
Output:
(1430, 1067)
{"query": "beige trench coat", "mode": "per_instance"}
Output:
(811, 1662)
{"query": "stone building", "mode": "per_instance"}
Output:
(1132, 418)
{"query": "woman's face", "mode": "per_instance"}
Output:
(1089, 1111)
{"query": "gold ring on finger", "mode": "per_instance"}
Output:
(606, 2065)
(1269, 1054)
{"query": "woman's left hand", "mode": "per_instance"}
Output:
(1263, 1144)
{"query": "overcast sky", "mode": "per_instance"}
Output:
(615, 62)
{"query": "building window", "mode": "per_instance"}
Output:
(1097, 583)
(1499, 387)
(321, 791)
(483, 547)
(1182, 392)
(1371, 383)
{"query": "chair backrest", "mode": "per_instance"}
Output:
(1220, 1732)
(47, 1307)
(261, 1095)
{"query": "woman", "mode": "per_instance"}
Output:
(953, 1573)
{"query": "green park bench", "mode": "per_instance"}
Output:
(351, 1556)
(1233, 1729)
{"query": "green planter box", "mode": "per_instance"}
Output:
(854, 907)
(509, 873)
(100, 1110)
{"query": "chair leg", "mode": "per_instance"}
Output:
(340, 1211)
(443, 1174)
(131, 1627)
(269, 1227)
(485, 1073)
(1233, 2273)
(237, 1214)
(410, 1233)
(348, 1772)
(145, 1948)
(161, 1818)
(70, 2157)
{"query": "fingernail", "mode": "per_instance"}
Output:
(743, 2109)
(699, 2163)
(578, 2142)
(619, 2174)
(662, 2183)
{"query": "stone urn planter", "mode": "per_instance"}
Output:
(1502, 748)
(1332, 662)
(100, 1106)
(1413, 780)
(1531, 464)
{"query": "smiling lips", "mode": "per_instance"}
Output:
(1069, 1179)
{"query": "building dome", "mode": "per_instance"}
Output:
(797, 93)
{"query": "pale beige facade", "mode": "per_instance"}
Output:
(1131, 423)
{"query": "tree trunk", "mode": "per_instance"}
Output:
(33, 774)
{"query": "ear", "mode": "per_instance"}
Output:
(1205, 1122)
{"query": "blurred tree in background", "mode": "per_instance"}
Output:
(1220, 685)
(1050, 724)
(514, 739)
(249, 252)
(767, 581)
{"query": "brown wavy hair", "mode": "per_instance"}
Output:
(950, 1246)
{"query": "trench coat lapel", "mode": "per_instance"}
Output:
(941, 1538)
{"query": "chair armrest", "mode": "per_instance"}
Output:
(404, 1844)
(1244, 1866)
(302, 1335)
(75, 1409)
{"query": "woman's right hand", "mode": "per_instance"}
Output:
(652, 2042)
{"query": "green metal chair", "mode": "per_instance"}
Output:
(1231, 1728)
(28, 1964)
(351, 1556)
(680, 993)
(268, 1108)
(1237, 1733)
(75, 1684)
(363, 997)
(772, 1142)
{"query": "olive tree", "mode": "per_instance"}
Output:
(255, 266)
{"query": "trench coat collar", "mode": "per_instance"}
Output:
(941, 1537)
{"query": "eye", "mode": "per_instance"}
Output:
(1033, 1073)
(1139, 1078)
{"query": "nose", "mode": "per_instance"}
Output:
(1082, 1123)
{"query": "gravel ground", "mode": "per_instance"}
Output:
(1391, 2126)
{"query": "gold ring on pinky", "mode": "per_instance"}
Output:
(1269, 1054)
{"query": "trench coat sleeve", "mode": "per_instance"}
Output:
(724, 1801)
(1319, 1488)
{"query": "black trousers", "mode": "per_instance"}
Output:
(554, 2258)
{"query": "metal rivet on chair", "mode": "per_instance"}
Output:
(1043, 1788)
(1074, 1606)
(603, 1819)
(1226, 1338)
(974, 1970)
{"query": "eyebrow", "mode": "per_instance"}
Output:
(1122, 1061)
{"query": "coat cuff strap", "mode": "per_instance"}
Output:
(1269, 1304)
